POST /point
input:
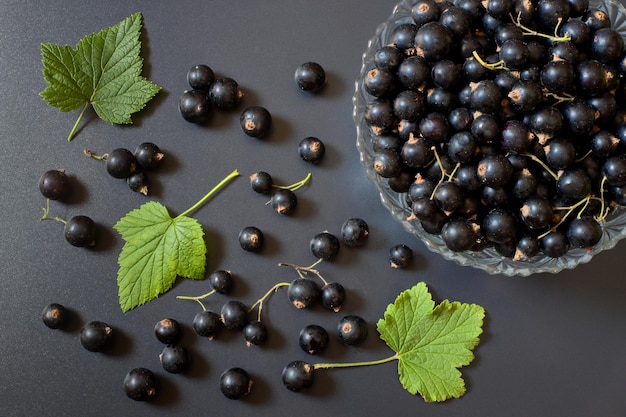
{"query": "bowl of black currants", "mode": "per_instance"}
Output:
(495, 130)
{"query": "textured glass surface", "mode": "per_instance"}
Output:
(489, 260)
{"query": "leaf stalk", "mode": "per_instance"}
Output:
(210, 194)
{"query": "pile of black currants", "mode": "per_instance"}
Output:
(502, 122)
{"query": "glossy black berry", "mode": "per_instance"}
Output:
(459, 235)
(235, 383)
(139, 182)
(354, 232)
(284, 201)
(387, 163)
(380, 82)
(251, 239)
(121, 163)
(195, 106)
(175, 359)
(81, 231)
(168, 331)
(352, 330)
(297, 375)
(140, 384)
(324, 246)
(55, 184)
(54, 315)
(332, 296)
(255, 121)
(400, 256)
(261, 182)
(433, 41)
(222, 281)
(554, 244)
(200, 77)
(234, 315)
(312, 150)
(583, 232)
(225, 93)
(95, 336)
(148, 155)
(313, 339)
(303, 292)
(255, 333)
(310, 77)
(207, 324)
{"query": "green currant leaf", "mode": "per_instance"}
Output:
(431, 342)
(104, 71)
(158, 249)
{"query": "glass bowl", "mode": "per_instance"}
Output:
(614, 226)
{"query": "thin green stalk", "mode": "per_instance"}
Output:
(261, 300)
(210, 194)
(46, 214)
(355, 364)
(80, 117)
(295, 185)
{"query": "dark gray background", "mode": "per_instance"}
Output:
(553, 345)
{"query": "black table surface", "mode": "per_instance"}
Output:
(553, 345)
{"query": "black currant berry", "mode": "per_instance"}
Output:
(251, 239)
(54, 315)
(195, 106)
(81, 231)
(584, 232)
(234, 315)
(310, 77)
(168, 331)
(297, 375)
(140, 384)
(207, 324)
(313, 339)
(354, 232)
(200, 77)
(55, 184)
(312, 150)
(459, 235)
(95, 336)
(235, 383)
(284, 201)
(255, 333)
(222, 281)
(303, 292)
(255, 121)
(261, 182)
(333, 295)
(138, 182)
(324, 246)
(400, 256)
(121, 163)
(148, 155)
(225, 93)
(352, 330)
(554, 244)
(175, 359)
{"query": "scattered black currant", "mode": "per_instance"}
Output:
(148, 155)
(235, 383)
(195, 106)
(168, 331)
(234, 315)
(175, 359)
(352, 330)
(200, 77)
(261, 182)
(311, 149)
(400, 255)
(284, 201)
(207, 324)
(333, 294)
(81, 231)
(140, 384)
(303, 292)
(55, 184)
(120, 163)
(225, 93)
(255, 333)
(95, 336)
(54, 315)
(222, 281)
(297, 375)
(310, 77)
(313, 339)
(138, 182)
(251, 239)
(354, 232)
(255, 121)
(324, 246)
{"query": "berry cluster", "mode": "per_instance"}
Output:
(121, 163)
(283, 199)
(502, 121)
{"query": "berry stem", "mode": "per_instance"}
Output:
(355, 364)
(46, 214)
(301, 270)
(197, 298)
(210, 194)
(80, 117)
(493, 66)
(295, 185)
(90, 154)
(543, 164)
(260, 301)
(530, 32)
